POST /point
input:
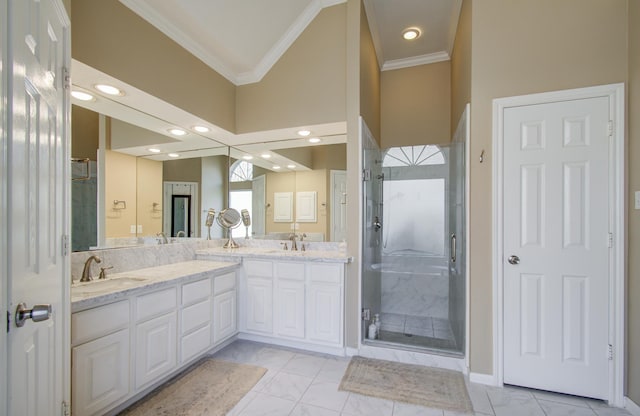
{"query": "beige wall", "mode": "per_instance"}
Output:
(108, 36)
(633, 158)
(277, 182)
(519, 48)
(369, 79)
(149, 191)
(119, 171)
(84, 133)
(461, 65)
(306, 86)
(416, 105)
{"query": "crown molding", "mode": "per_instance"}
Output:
(143, 9)
(430, 58)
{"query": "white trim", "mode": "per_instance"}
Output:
(430, 58)
(148, 13)
(486, 379)
(301, 345)
(5, 120)
(615, 92)
(631, 406)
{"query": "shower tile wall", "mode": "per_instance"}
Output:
(416, 295)
(415, 285)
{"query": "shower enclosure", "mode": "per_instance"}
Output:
(414, 265)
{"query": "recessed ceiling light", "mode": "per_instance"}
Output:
(173, 155)
(304, 133)
(82, 96)
(314, 140)
(276, 167)
(201, 129)
(291, 166)
(411, 33)
(177, 132)
(153, 150)
(247, 157)
(265, 155)
(109, 89)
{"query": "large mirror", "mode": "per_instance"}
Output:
(123, 195)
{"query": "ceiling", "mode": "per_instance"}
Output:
(242, 40)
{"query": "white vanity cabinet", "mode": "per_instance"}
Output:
(294, 303)
(123, 349)
(100, 357)
(155, 336)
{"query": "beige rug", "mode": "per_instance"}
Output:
(424, 386)
(211, 388)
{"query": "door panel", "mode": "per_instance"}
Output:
(36, 209)
(556, 221)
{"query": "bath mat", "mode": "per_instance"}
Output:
(212, 387)
(414, 384)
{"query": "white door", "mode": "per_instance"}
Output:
(37, 205)
(258, 205)
(556, 223)
(338, 214)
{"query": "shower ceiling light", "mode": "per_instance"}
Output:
(411, 33)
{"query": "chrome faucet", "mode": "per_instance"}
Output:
(294, 246)
(181, 233)
(163, 238)
(86, 272)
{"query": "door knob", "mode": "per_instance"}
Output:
(37, 313)
(513, 259)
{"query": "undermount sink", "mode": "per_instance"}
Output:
(107, 285)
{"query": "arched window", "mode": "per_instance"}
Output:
(241, 171)
(413, 156)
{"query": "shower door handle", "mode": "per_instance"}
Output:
(452, 247)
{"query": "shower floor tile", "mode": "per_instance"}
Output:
(420, 326)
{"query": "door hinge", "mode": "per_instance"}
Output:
(610, 128)
(66, 78)
(65, 245)
(610, 240)
(610, 352)
(8, 321)
(366, 174)
(65, 409)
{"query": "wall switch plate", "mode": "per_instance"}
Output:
(139, 228)
(637, 200)
(132, 229)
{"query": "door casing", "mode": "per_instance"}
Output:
(615, 93)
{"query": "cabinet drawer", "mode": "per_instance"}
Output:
(155, 303)
(195, 291)
(224, 283)
(196, 315)
(258, 268)
(93, 323)
(195, 343)
(292, 271)
(328, 273)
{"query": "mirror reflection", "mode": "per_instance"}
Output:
(120, 199)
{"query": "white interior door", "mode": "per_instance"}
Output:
(37, 206)
(556, 246)
(338, 214)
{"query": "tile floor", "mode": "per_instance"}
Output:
(300, 383)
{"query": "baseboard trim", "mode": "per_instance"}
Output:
(631, 406)
(324, 349)
(351, 351)
(487, 379)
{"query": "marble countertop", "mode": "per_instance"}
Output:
(328, 256)
(120, 285)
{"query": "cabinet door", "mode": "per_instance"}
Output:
(259, 305)
(155, 348)
(324, 312)
(100, 373)
(224, 316)
(290, 311)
